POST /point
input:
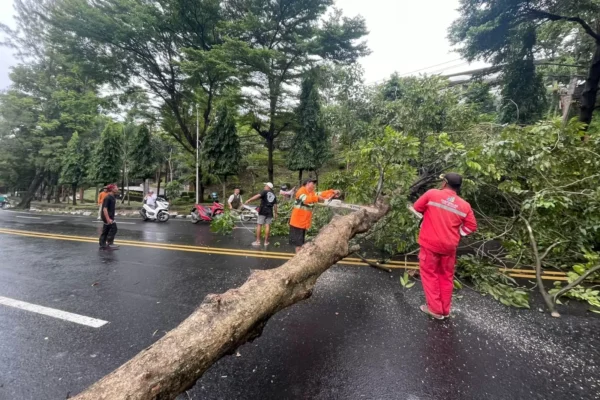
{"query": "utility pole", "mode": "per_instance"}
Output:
(197, 156)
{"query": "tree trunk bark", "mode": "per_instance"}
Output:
(57, 194)
(299, 178)
(74, 193)
(97, 192)
(270, 147)
(159, 179)
(590, 90)
(225, 321)
(64, 193)
(81, 194)
(33, 187)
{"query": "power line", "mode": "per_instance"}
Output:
(432, 66)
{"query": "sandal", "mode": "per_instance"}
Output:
(425, 310)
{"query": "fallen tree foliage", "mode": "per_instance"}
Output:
(225, 321)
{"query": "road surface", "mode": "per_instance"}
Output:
(69, 314)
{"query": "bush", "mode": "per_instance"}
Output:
(173, 189)
(223, 224)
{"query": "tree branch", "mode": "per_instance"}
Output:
(575, 282)
(373, 264)
(538, 270)
(553, 245)
(556, 17)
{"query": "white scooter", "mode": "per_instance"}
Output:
(160, 213)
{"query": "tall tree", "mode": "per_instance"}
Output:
(106, 161)
(524, 97)
(275, 42)
(74, 164)
(487, 29)
(310, 145)
(171, 46)
(222, 150)
(52, 95)
(146, 40)
(143, 156)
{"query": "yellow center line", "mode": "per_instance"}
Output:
(192, 249)
(517, 273)
(248, 253)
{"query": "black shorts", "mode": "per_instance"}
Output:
(297, 236)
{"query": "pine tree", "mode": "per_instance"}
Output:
(310, 145)
(222, 153)
(74, 164)
(106, 167)
(143, 155)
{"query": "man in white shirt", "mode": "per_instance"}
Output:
(235, 201)
(151, 199)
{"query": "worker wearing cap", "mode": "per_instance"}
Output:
(267, 211)
(109, 230)
(446, 217)
(101, 197)
(301, 218)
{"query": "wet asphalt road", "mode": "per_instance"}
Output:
(359, 336)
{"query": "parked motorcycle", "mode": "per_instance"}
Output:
(205, 213)
(160, 213)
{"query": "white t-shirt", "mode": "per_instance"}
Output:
(151, 200)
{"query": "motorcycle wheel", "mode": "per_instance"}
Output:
(195, 218)
(246, 216)
(163, 216)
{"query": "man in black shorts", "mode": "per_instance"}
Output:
(109, 229)
(267, 211)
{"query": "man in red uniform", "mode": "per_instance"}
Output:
(446, 217)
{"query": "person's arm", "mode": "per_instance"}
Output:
(229, 200)
(328, 194)
(469, 224)
(252, 198)
(421, 204)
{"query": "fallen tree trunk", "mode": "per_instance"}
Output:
(225, 321)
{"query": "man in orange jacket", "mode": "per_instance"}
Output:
(301, 219)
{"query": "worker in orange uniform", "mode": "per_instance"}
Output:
(101, 197)
(446, 217)
(306, 198)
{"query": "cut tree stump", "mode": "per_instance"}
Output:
(223, 322)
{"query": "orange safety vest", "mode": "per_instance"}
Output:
(303, 208)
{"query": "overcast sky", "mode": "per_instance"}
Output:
(404, 37)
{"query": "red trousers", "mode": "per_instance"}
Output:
(437, 276)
